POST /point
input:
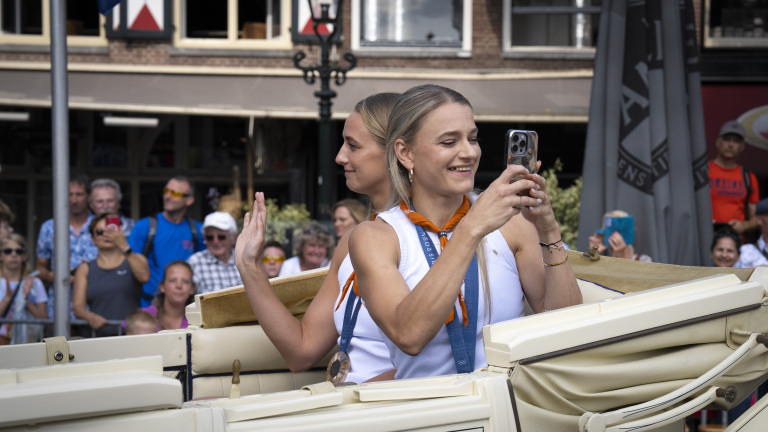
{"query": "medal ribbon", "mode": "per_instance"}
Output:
(350, 317)
(421, 221)
(462, 339)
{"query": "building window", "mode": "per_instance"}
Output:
(28, 22)
(736, 24)
(238, 24)
(428, 25)
(551, 28)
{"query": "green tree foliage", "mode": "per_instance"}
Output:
(565, 203)
(279, 219)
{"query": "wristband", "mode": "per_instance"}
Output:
(552, 245)
(557, 263)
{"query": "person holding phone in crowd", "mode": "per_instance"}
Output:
(302, 343)
(617, 247)
(109, 287)
(436, 267)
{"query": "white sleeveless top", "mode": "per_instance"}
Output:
(506, 298)
(368, 356)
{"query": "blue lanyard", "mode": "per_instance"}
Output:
(462, 337)
(354, 304)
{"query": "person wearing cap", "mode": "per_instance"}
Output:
(214, 268)
(756, 254)
(734, 191)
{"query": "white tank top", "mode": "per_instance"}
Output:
(368, 356)
(506, 298)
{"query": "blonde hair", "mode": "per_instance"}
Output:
(358, 210)
(407, 118)
(21, 241)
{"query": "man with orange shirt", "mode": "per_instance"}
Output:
(734, 190)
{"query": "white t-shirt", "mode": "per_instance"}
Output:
(293, 266)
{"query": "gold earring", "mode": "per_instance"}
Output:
(410, 175)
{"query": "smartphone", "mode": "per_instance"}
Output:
(113, 222)
(522, 148)
(624, 225)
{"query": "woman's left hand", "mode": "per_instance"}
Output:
(541, 214)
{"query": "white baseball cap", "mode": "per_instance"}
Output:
(221, 220)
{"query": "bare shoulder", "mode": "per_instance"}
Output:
(374, 237)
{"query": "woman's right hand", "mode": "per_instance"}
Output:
(97, 321)
(500, 202)
(251, 239)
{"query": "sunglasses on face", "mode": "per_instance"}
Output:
(8, 251)
(220, 237)
(99, 231)
(175, 194)
(266, 259)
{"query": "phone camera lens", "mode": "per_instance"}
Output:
(515, 138)
(515, 148)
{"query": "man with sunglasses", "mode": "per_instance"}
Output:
(214, 269)
(167, 236)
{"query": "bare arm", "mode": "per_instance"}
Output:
(44, 265)
(746, 225)
(302, 343)
(137, 261)
(412, 318)
(79, 302)
(546, 287)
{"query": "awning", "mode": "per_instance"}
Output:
(537, 97)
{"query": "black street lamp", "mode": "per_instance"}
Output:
(325, 12)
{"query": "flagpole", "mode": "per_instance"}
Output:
(60, 144)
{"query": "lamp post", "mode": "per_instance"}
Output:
(325, 12)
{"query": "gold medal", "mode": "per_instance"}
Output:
(338, 368)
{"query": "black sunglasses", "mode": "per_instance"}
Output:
(20, 251)
(99, 231)
(221, 237)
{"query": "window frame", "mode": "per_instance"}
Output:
(45, 37)
(735, 43)
(465, 50)
(541, 52)
(232, 42)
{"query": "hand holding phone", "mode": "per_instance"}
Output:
(623, 225)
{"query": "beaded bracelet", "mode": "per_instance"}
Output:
(557, 263)
(552, 245)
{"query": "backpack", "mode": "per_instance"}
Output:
(153, 230)
(748, 184)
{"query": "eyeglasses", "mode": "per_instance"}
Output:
(220, 237)
(99, 231)
(9, 251)
(266, 259)
(175, 194)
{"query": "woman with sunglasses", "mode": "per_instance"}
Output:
(109, 287)
(302, 343)
(433, 269)
(22, 295)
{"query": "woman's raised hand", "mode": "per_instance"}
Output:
(251, 239)
(503, 199)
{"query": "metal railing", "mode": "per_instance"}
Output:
(78, 323)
